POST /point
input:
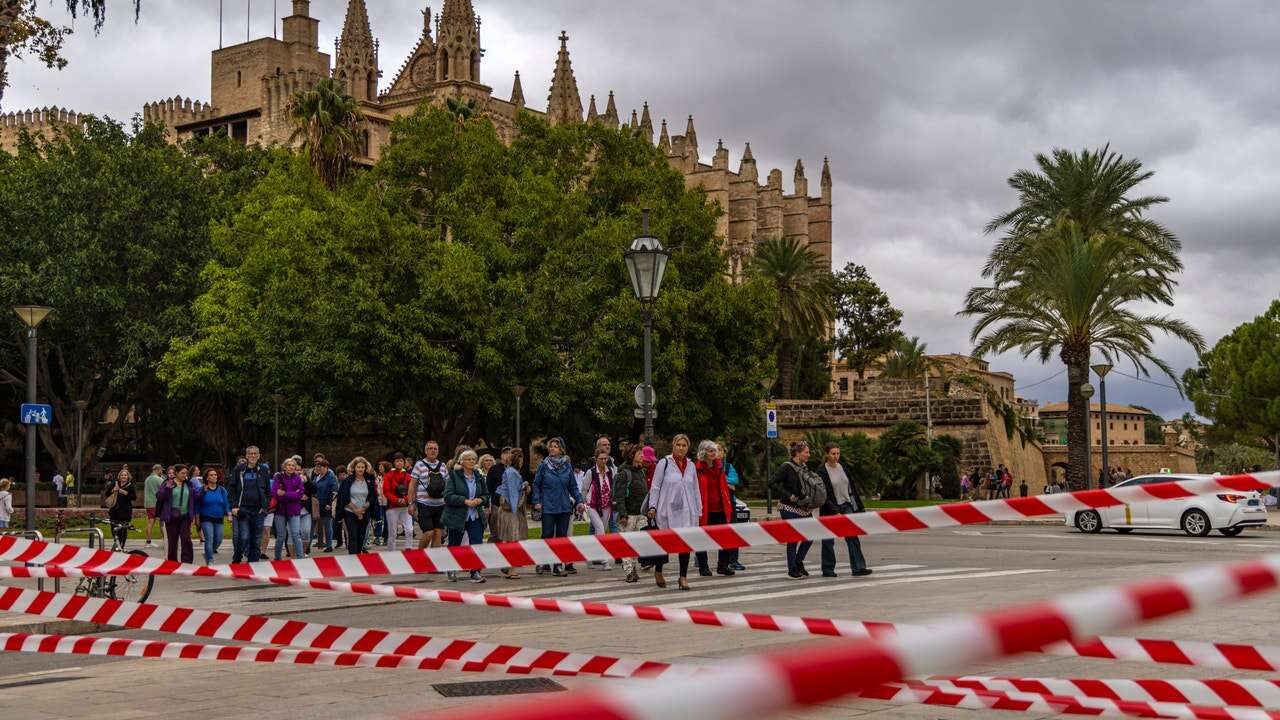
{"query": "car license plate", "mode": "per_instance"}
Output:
(1253, 503)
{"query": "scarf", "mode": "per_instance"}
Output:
(603, 488)
(559, 464)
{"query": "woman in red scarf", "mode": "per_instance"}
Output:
(717, 508)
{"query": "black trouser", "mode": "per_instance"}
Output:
(723, 557)
(357, 531)
(121, 532)
(556, 525)
(855, 548)
(684, 564)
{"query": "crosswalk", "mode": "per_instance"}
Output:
(764, 580)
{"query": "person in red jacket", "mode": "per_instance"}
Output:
(717, 508)
(397, 488)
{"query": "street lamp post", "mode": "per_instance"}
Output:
(1102, 369)
(32, 315)
(80, 406)
(1086, 392)
(519, 390)
(767, 385)
(278, 398)
(646, 264)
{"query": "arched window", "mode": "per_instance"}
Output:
(475, 66)
(444, 65)
(373, 85)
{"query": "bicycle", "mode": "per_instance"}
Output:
(133, 587)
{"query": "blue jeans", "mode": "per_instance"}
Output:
(212, 530)
(855, 548)
(326, 532)
(247, 538)
(555, 525)
(293, 526)
(304, 531)
(795, 551)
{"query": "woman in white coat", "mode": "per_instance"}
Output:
(674, 500)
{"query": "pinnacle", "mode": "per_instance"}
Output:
(592, 115)
(747, 156)
(799, 168)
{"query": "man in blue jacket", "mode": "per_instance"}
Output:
(248, 492)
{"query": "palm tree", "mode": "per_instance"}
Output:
(328, 123)
(907, 360)
(1068, 294)
(805, 303)
(462, 110)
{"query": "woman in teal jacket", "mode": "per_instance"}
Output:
(464, 495)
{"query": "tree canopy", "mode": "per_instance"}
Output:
(417, 294)
(1237, 383)
(867, 321)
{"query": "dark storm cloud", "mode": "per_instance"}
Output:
(925, 108)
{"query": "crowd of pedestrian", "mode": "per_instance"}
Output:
(472, 498)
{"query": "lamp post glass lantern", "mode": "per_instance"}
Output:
(646, 265)
(32, 316)
(1102, 369)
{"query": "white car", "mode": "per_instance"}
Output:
(1227, 512)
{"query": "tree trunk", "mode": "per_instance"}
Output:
(1078, 453)
(786, 362)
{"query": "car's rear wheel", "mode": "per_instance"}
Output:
(1089, 521)
(1231, 532)
(1124, 530)
(1195, 523)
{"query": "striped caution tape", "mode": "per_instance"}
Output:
(793, 678)
(1242, 692)
(943, 695)
(296, 633)
(605, 547)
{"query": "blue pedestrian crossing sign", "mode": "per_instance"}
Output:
(771, 421)
(34, 414)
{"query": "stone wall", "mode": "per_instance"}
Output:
(1140, 459)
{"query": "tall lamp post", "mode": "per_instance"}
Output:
(1102, 369)
(767, 385)
(1086, 392)
(80, 406)
(278, 398)
(646, 264)
(519, 390)
(32, 315)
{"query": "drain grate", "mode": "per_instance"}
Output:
(498, 687)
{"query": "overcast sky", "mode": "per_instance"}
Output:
(925, 109)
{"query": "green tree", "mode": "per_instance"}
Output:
(1232, 458)
(867, 323)
(23, 30)
(804, 297)
(328, 122)
(462, 109)
(909, 359)
(412, 298)
(1237, 383)
(1078, 249)
(110, 230)
(905, 458)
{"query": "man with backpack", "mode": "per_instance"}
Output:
(429, 477)
(842, 499)
(248, 493)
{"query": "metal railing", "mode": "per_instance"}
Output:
(30, 535)
(91, 530)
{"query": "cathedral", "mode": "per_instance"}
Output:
(252, 84)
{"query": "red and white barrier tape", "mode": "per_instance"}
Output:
(813, 674)
(1242, 692)
(259, 629)
(583, 548)
(913, 693)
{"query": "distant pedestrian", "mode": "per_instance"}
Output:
(339, 518)
(287, 490)
(6, 502)
(464, 502)
(397, 488)
(789, 485)
(557, 496)
(650, 464)
(675, 501)
(149, 488)
(326, 489)
(599, 496)
(173, 508)
(119, 504)
(213, 509)
(430, 475)
(630, 489)
(843, 498)
(249, 494)
(717, 509)
(1022, 488)
(357, 495)
(732, 478)
(510, 518)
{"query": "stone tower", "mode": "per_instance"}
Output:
(458, 42)
(356, 63)
(564, 105)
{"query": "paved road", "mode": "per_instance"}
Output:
(918, 576)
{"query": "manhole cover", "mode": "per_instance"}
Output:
(498, 687)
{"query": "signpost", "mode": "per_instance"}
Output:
(35, 414)
(770, 434)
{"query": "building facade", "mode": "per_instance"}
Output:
(252, 84)
(1125, 425)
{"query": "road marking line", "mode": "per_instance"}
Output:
(854, 585)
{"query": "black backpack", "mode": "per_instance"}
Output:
(435, 482)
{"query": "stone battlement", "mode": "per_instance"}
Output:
(34, 121)
(177, 110)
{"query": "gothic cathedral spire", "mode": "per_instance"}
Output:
(564, 105)
(458, 40)
(356, 66)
